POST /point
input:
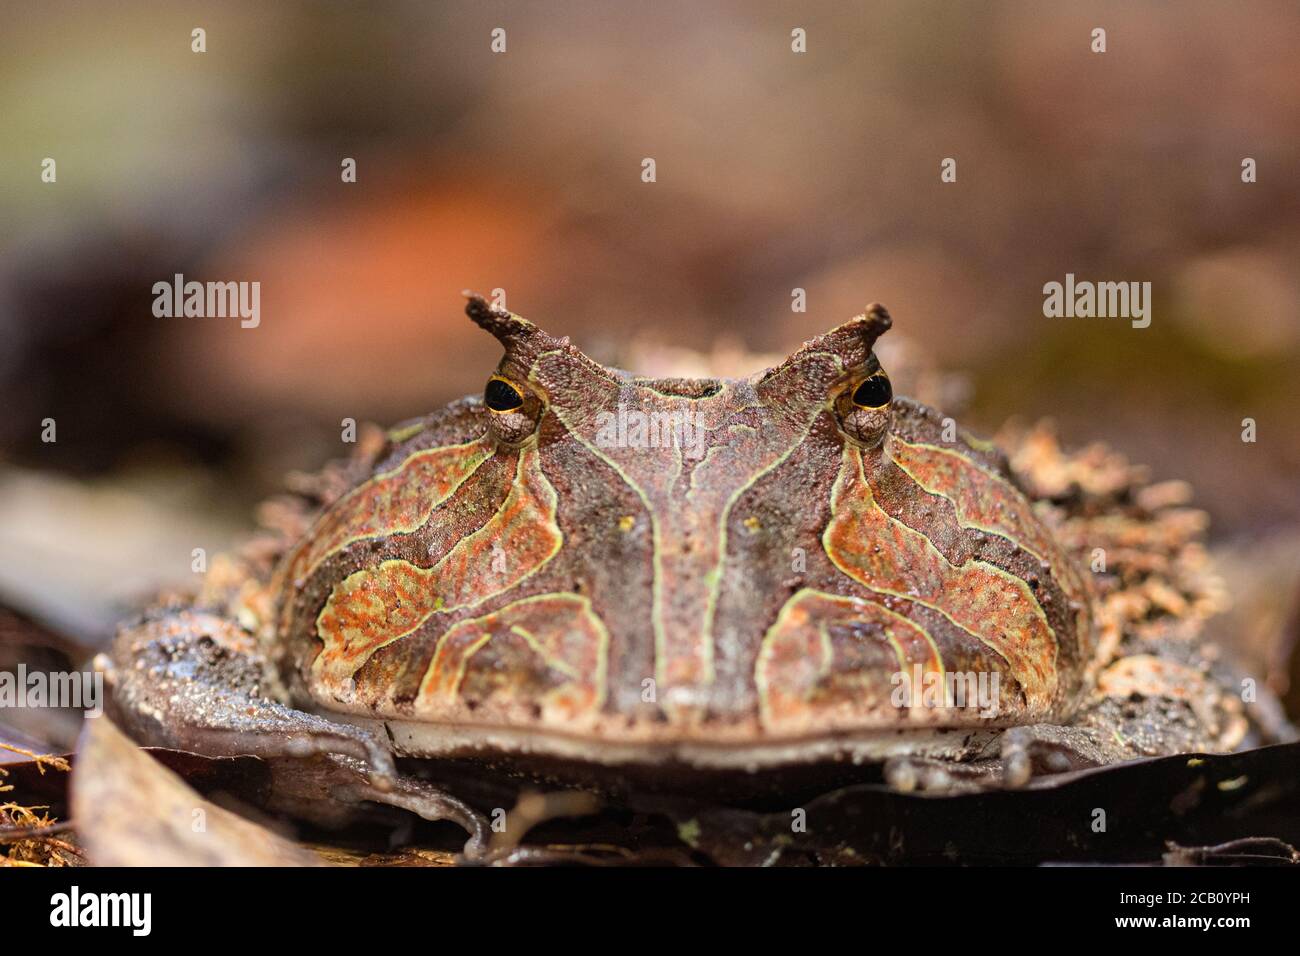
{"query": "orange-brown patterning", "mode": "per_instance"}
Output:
(717, 590)
(583, 551)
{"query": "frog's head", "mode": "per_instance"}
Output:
(586, 551)
(836, 372)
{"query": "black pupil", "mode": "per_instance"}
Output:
(873, 392)
(502, 396)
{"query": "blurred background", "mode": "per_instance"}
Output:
(522, 171)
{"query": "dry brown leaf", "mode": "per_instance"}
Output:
(132, 811)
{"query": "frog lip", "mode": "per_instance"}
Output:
(432, 740)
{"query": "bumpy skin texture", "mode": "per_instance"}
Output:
(768, 572)
(758, 582)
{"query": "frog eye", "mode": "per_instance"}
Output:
(874, 392)
(513, 410)
(863, 408)
(502, 396)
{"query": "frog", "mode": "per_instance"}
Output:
(615, 584)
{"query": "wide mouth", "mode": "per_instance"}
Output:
(758, 776)
(433, 740)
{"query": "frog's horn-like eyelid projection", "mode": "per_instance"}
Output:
(851, 342)
(508, 328)
(524, 341)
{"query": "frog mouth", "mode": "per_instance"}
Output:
(431, 740)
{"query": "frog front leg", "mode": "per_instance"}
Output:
(192, 680)
(1010, 760)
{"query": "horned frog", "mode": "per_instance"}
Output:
(596, 580)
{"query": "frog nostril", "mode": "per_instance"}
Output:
(683, 387)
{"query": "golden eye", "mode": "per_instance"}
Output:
(874, 392)
(502, 396)
(864, 410)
